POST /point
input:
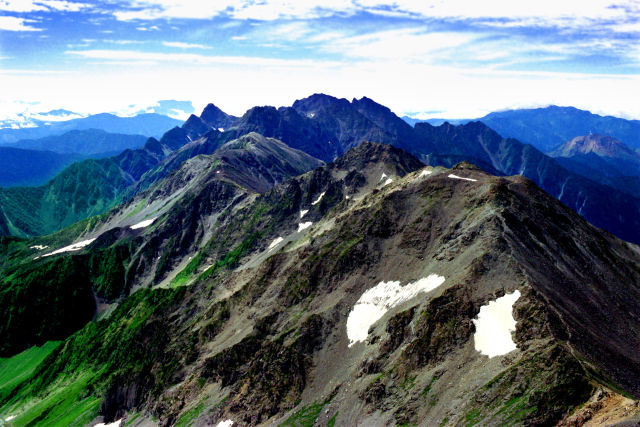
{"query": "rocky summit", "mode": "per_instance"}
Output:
(259, 286)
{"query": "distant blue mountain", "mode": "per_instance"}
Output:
(87, 142)
(149, 125)
(20, 168)
(550, 127)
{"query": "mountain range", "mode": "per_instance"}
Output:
(258, 285)
(549, 127)
(326, 127)
(148, 124)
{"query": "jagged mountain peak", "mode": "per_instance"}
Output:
(216, 118)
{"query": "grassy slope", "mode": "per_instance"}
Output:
(83, 189)
(65, 386)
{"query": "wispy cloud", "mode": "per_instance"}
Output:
(24, 6)
(135, 55)
(181, 45)
(12, 23)
(542, 13)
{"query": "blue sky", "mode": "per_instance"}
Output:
(428, 58)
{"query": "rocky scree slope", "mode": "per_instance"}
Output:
(261, 333)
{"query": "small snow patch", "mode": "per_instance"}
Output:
(304, 226)
(71, 248)
(315, 202)
(217, 171)
(143, 224)
(425, 173)
(220, 129)
(39, 247)
(460, 177)
(10, 417)
(303, 212)
(227, 423)
(113, 424)
(383, 176)
(375, 302)
(275, 243)
(347, 197)
(494, 325)
(387, 182)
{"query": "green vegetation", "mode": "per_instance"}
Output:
(33, 313)
(187, 418)
(69, 384)
(472, 417)
(305, 417)
(51, 298)
(82, 190)
(232, 258)
(19, 368)
(332, 420)
(186, 273)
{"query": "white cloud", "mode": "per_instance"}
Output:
(182, 45)
(192, 58)
(11, 23)
(24, 6)
(455, 92)
(544, 13)
(157, 9)
(406, 44)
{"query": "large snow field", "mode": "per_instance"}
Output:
(494, 326)
(375, 302)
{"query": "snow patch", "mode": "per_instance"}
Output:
(425, 173)
(315, 202)
(39, 247)
(113, 424)
(375, 302)
(71, 248)
(10, 417)
(347, 197)
(460, 177)
(387, 182)
(383, 176)
(227, 423)
(304, 226)
(303, 212)
(494, 325)
(143, 224)
(220, 129)
(275, 242)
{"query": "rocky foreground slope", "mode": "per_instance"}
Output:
(359, 293)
